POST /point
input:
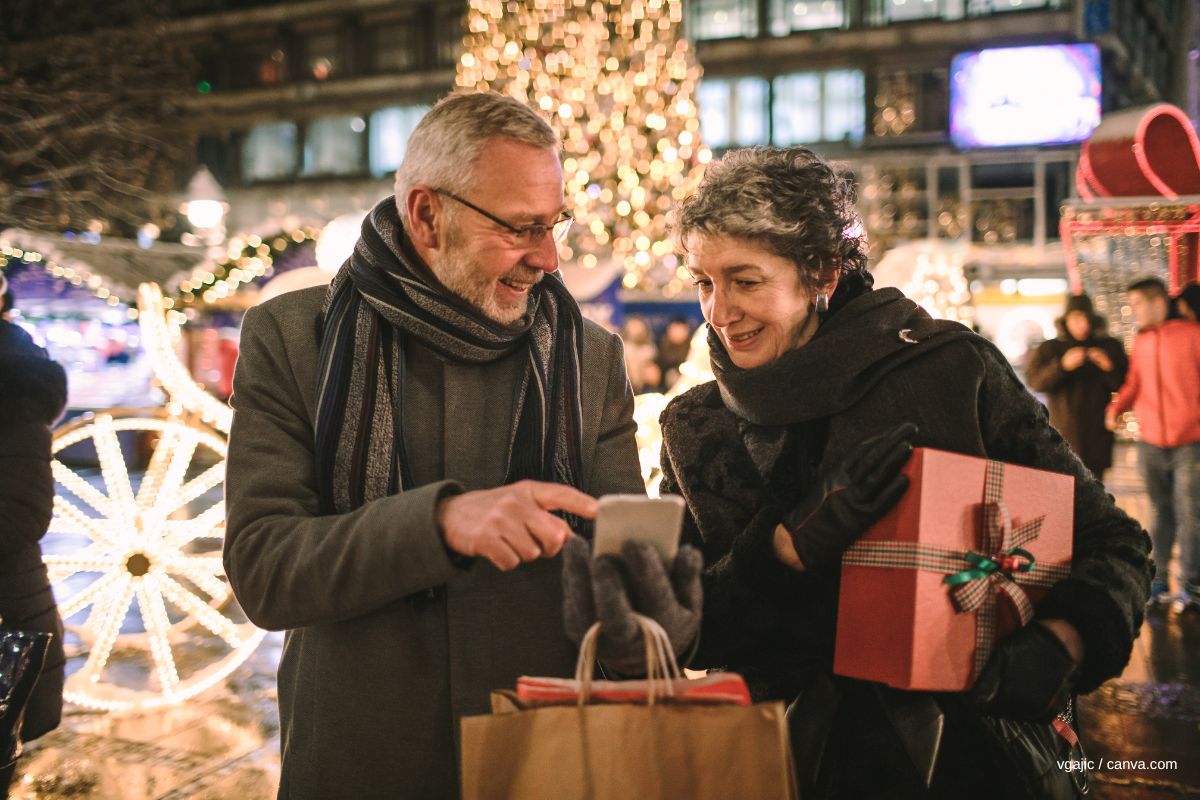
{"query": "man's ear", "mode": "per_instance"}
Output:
(424, 217)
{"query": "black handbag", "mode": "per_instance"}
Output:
(1049, 757)
(22, 655)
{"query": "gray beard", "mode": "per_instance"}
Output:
(459, 272)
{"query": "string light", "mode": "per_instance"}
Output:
(72, 270)
(246, 258)
(139, 540)
(137, 549)
(159, 339)
(1109, 246)
(939, 285)
(617, 81)
(648, 407)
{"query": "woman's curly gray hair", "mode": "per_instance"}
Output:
(785, 199)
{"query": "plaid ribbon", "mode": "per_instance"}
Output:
(976, 580)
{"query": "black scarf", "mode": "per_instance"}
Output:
(384, 293)
(865, 334)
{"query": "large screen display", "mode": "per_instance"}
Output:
(1002, 97)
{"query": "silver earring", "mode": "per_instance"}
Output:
(821, 304)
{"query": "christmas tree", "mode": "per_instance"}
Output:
(619, 82)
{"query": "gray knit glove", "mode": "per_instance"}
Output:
(611, 588)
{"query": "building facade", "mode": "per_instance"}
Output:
(302, 108)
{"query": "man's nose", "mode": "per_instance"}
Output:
(544, 254)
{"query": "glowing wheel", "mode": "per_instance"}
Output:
(149, 615)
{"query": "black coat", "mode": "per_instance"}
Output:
(1077, 399)
(777, 626)
(33, 393)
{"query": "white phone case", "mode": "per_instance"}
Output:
(658, 521)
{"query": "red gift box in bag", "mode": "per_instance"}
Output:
(955, 567)
(663, 737)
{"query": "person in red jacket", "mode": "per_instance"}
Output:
(1163, 389)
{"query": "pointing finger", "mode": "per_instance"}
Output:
(560, 497)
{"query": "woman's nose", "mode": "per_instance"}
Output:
(721, 311)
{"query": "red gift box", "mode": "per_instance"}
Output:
(956, 566)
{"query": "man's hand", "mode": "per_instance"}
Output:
(1073, 359)
(1100, 358)
(1110, 419)
(512, 524)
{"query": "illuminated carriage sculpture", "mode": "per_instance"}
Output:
(1139, 210)
(155, 547)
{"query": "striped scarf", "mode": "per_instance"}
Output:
(383, 294)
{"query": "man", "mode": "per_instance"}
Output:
(1078, 371)
(400, 445)
(1163, 389)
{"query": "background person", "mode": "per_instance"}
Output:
(1077, 372)
(644, 375)
(33, 395)
(673, 349)
(1187, 303)
(1163, 390)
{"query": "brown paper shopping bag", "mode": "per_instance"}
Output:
(665, 747)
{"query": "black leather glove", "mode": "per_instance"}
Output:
(609, 589)
(1029, 676)
(850, 498)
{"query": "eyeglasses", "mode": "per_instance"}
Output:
(525, 235)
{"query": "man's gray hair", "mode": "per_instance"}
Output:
(788, 201)
(446, 144)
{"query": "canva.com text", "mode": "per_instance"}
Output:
(1090, 764)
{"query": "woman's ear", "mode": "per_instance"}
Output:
(830, 280)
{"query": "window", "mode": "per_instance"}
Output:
(1059, 188)
(394, 47)
(258, 64)
(905, 10)
(269, 151)
(334, 145)
(806, 15)
(910, 101)
(819, 107)
(724, 19)
(322, 55)
(390, 129)
(218, 155)
(450, 35)
(882, 12)
(733, 111)
(980, 8)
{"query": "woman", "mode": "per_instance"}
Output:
(1078, 371)
(823, 386)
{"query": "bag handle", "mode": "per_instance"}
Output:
(661, 666)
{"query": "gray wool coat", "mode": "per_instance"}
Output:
(389, 643)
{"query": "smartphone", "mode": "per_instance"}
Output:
(657, 521)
